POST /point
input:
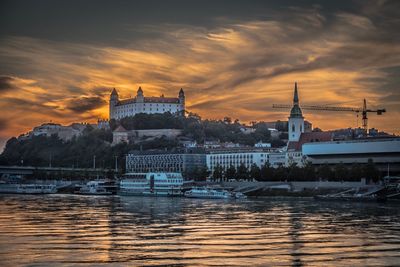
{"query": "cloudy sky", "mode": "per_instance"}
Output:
(60, 59)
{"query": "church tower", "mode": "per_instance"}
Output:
(296, 119)
(113, 102)
(182, 102)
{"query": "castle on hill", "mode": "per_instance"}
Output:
(141, 104)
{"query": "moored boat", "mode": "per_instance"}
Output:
(208, 193)
(152, 184)
(98, 187)
(27, 188)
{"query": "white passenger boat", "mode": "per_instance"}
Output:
(239, 195)
(152, 184)
(32, 188)
(98, 187)
(204, 192)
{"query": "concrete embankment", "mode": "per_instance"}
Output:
(295, 188)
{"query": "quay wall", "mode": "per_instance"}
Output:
(299, 186)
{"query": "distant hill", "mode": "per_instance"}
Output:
(80, 150)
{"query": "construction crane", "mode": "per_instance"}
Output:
(364, 111)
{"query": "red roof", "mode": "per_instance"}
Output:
(120, 129)
(161, 99)
(127, 101)
(310, 138)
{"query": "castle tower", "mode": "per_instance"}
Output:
(296, 119)
(113, 102)
(140, 100)
(182, 101)
(139, 95)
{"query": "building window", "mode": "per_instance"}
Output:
(293, 128)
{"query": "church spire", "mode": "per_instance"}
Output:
(296, 110)
(296, 96)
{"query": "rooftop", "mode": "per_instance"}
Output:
(312, 137)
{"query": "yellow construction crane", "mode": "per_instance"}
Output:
(364, 111)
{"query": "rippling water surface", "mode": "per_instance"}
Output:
(133, 231)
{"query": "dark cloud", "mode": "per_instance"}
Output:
(5, 83)
(101, 91)
(75, 90)
(86, 103)
(29, 106)
(3, 124)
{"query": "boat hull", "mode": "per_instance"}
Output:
(209, 197)
(150, 194)
(29, 189)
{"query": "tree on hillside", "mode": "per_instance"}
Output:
(309, 172)
(218, 173)
(340, 172)
(202, 173)
(230, 172)
(371, 172)
(294, 173)
(280, 174)
(266, 172)
(355, 172)
(255, 172)
(325, 172)
(242, 173)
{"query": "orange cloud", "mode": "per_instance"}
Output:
(238, 70)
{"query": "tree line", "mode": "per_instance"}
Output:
(80, 150)
(308, 172)
(199, 130)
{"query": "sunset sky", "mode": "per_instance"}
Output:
(59, 60)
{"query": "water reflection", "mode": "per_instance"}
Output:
(78, 230)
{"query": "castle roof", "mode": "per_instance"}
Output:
(114, 92)
(163, 100)
(120, 129)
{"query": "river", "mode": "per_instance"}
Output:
(71, 230)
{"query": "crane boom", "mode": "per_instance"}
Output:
(362, 110)
(315, 107)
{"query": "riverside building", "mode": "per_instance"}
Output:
(385, 152)
(236, 157)
(121, 108)
(165, 161)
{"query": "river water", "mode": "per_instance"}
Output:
(68, 230)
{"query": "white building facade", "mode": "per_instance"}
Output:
(248, 158)
(140, 104)
(384, 152)
(163, 161)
